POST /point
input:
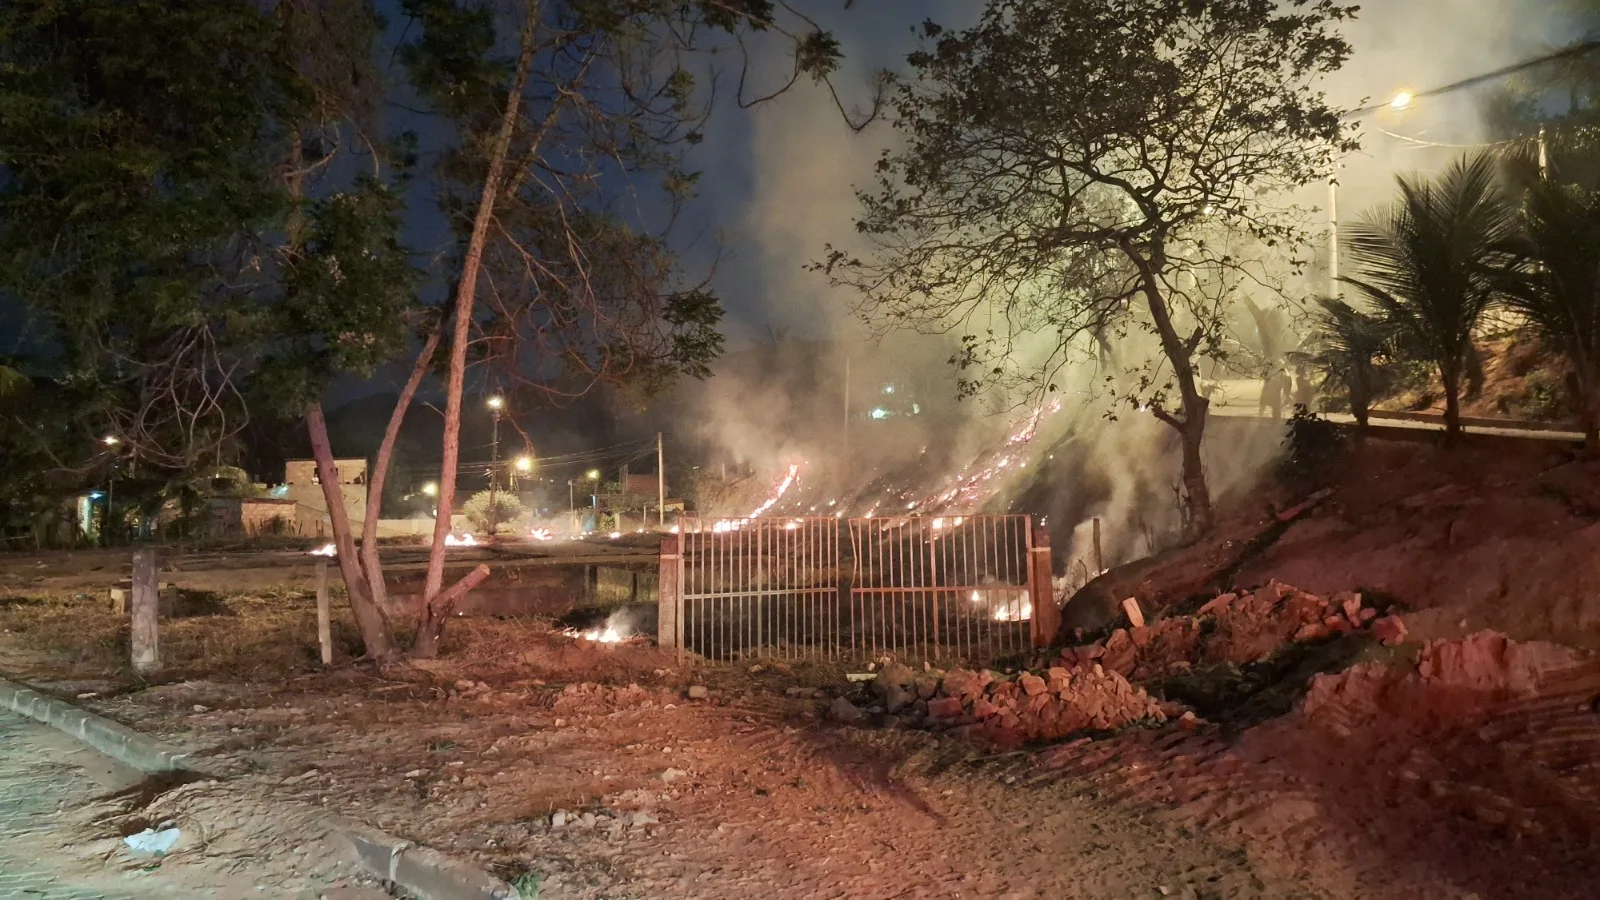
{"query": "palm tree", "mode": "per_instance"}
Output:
(1433, 262)
(1560, 295)
(1347, 346)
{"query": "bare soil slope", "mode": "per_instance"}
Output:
(1504, 537)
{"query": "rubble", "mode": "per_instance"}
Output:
(1237, 628)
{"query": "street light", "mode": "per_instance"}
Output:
(592, 475)
(431, 489)
(496, 403)
(524, 464)
(111, 440)
(1401, 101)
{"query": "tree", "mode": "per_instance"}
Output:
(1434, 261)
(507, 508)
(1073, 167)
(1560, 292)
(560, 111)
(1348, 346)
(137, 181)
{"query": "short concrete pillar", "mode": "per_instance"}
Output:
(145, 613)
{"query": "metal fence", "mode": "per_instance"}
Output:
(954, 588)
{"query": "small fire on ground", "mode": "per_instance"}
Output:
(1009, 606)
(466, 540)
(324, 550)
(614, 631)
(541, 534)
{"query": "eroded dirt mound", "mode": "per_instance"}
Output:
(1505, 537)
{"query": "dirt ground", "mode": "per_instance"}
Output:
(1453, 763)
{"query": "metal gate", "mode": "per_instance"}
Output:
(967, 588)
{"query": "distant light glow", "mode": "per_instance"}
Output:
(324, 550)
(524, 464)
(1401, 100)
(497, 402)
(880, 413)
(430, 489)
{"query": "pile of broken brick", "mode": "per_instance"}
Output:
(1094, 686)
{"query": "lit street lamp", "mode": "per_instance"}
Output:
(431, 489)
(524, 464)
(111, 441)
(496, 403)
(1401, 101)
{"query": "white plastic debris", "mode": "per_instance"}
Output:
(150, 842)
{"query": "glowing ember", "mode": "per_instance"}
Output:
(541, 534)
(977, 597)
(673, 530)
(466, 540)
(607, 635)
(324, 550)
(614, 535)
(782, 488)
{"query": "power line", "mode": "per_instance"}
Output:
(1556, 56)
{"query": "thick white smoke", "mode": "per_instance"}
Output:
(794, 172)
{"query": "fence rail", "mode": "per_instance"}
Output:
(824, 588)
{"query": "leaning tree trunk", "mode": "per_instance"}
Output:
(370, 564)
(437, 606)
(369, 616)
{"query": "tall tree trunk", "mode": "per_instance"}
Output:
(436, 607)
(1452, 404)
(1191, 427)
(370, 564)
(369, 616)
(1589, 412)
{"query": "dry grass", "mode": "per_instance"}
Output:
(259, 635)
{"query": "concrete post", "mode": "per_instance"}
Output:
(324, 615)
(146, 613)
(669, 625)
(1046, 619)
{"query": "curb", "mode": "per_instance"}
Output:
(420, 870)
(114, 739)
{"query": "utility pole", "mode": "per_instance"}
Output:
(846, 409)
(661, 483)
(1333, 236)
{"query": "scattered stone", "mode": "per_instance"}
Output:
(558, 819)
(1032, 685)
(698, 692)
(414, 773)
(896, 698)
(1389, 630)
(894, 674)
(671, 775)
(200, 708)
(641, 818)
(846, 712)
(945, 707)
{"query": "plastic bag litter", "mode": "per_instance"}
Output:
(153, 843)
